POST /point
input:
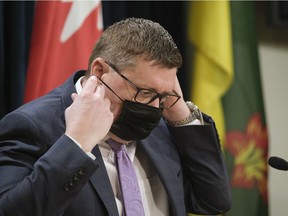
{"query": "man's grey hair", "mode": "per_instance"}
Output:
(129, 40)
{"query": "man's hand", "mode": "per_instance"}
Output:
(89, 118)
(180, 110)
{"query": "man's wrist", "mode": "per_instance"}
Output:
(194, 115)
(80, 146)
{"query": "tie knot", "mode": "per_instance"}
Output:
(116, 146)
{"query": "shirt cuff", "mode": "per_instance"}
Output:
(80, 146)
(195, 122)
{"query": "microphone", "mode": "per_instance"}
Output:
(278, 163)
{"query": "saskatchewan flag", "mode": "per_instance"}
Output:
(226, 84)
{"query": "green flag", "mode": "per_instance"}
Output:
(246, 134)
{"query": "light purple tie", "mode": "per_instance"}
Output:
(131, 198)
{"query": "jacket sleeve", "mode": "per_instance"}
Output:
(206, 183)
(37, 179)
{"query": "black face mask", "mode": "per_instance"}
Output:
(136, 121)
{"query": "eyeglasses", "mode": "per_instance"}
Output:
(147, 96)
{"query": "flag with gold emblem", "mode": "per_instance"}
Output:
(246, 145)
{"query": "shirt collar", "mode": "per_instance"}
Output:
(78, 85)
(108, 153)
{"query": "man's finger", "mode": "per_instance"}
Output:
(90, 85)
(100, 91)
(74, 96)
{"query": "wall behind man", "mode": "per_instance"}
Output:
(273, 54)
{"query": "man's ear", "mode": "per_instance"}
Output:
(99, 67)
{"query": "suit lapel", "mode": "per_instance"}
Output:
(165, 158)
(101, 183)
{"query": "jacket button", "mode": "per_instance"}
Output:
(76, 177)
(81, 172)
(66, 187)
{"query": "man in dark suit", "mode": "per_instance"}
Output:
(54, 156)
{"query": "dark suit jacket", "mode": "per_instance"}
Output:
(42, 172)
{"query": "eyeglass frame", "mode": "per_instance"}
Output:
(158, 95)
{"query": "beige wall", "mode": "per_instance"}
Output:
(273, 54)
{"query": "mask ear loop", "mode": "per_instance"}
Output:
(110, 88)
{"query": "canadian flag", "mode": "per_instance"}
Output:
(63, 36)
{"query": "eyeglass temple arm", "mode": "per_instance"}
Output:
(109, 88)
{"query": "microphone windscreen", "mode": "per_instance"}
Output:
(278, 163)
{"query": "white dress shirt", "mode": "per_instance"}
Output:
(153, 194)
